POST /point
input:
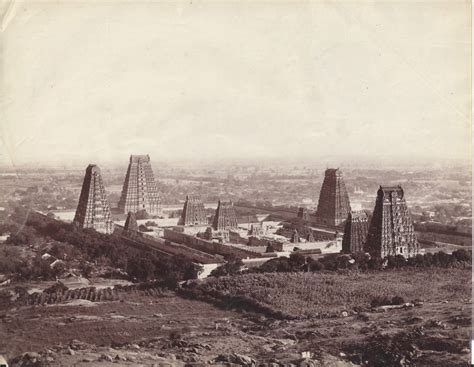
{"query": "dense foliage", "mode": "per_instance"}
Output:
(363, 262)
(105, 249)
(232, 266)
(325, 294)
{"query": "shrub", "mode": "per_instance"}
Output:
(231, 267)
(462, 255)
(316, 265)
(397, 300)
(380, 301)
(56, 288)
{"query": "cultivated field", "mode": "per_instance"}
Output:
(306, 295)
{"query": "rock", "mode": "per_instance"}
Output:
(436, 323)
(70, 351)
(49, 359)
(307, 362)
(87, 360)
(415, 319)
(344, 314)
(157, 315)
(135, 346)
(363, 316)
(120, 357)
(236, 358)
(31, 355)
(418, 304)
(106, 357)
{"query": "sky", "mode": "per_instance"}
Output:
(85, 81)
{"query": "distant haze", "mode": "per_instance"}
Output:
(199, 81)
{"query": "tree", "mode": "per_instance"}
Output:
(375, 263)
(141, 268)
(315, 265)
(277, 265)
(231, 267)
(462, 255)
(297, 261)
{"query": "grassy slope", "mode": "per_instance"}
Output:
(319, 294)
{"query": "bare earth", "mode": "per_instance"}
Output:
(146, 330)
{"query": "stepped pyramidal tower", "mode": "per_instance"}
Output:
(355, 232)
(140, 191)
(225, 217)
(131, 223)
(93, 210)
(193, 211)
(391, 229)
(333, 205)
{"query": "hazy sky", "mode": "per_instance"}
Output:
(96, 81)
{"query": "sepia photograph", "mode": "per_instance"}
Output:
(236, 183)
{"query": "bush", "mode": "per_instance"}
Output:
(397, 300)
(277, 265)
(231, 267)
(315, 265)
(141, 268)
(462, 255)
(56, 288)
(297, 260)
(386, 301)
(395, 262)
(380, 301)
(385, 350)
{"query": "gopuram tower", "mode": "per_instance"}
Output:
(225, 217)
(391, 230)
(193, 211)
(355, 232)
(140, 192)
(333, 205)
(93, 210)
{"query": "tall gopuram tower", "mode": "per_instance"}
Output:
(93, 210)
(139, 189)
(333, 205)
(225, 217)
(193, 211)
(391, 228)
(355, 232)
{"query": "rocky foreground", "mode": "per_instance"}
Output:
(165, 329)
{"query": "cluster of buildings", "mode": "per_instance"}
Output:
(387, 231)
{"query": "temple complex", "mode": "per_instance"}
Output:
(333, 205)
(225, 217)
(93, 210)
(355, 232)
(140, 192)
(391, 229)
(193, 212)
